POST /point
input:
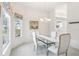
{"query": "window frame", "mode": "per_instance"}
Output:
(19, 18)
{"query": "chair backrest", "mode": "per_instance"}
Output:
(34, 38)
(53, 35)
(64, 41)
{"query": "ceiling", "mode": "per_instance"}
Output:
(42, 6)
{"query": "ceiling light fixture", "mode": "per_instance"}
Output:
(45, 19)
(41, 19)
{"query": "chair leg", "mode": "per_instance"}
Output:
(36, 50)
(47, 50)
(66, 53)
(57, 54)
(47, 53)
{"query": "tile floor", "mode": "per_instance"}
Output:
(28, 50)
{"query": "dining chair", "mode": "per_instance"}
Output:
(36, 43)
(62, 48)
(53, 36)
(34, 40)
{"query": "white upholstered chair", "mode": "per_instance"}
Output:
(53, 36)
(62, 48)
(34, 40)
(36, 43)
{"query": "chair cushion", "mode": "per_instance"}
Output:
(53, 49)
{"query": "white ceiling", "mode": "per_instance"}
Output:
(42, 6)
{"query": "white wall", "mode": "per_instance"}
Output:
(52, 23)
(59, 13)
(28, 14)
(73, 15)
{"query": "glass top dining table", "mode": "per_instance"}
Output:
(46, 40)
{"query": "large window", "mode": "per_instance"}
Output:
(6, 27)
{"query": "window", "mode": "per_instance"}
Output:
(18, 25)
(6, 27)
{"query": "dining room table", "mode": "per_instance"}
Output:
(48, 41)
